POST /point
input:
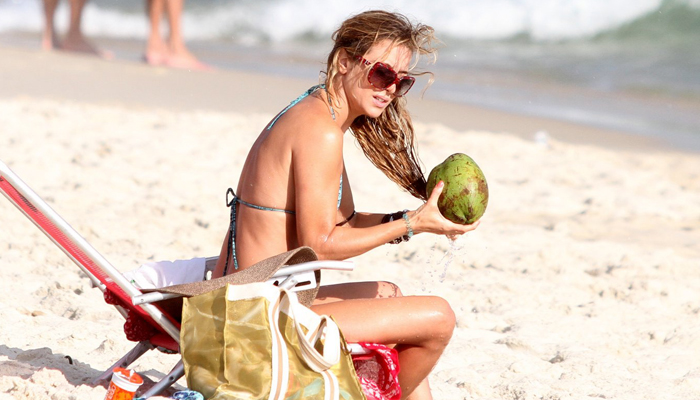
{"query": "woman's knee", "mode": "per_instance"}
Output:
(441, 320)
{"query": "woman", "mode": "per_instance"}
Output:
(294, 190)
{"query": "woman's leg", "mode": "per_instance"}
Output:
(356, 290)
(419, 326)
(369, 290)
(422, 392)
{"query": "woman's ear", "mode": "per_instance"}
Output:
(343, 61)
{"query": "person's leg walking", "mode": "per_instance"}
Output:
(48, 39)
(75, 40)
(179, 55)
(156, 48)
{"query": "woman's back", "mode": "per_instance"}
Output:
(267, 189)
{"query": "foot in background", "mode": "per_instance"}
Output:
(74, 40)
(182, 58)
(79, 44)
(171, 53)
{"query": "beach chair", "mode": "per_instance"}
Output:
(147, 318)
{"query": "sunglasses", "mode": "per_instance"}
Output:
(381, 76)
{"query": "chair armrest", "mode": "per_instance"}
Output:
(299, 270)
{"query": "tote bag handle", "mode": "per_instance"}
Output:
(317, 327)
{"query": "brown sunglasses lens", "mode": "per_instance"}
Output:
(382, 77)
(404, 86)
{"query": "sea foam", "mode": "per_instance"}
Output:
(281, 20)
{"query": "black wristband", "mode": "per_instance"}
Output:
(386, 219)
(394, 217)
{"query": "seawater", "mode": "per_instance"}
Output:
(630, 65)
(453, 248)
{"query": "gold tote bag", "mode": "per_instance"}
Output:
(256, 341)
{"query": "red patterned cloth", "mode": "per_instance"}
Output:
(136, 328)
(378, 372)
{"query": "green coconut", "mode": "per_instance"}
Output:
(466, 194)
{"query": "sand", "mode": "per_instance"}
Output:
(581, 281)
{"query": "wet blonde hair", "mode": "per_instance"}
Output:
(388, 140)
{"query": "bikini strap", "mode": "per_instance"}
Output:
(231, 200)
(297, 100)
(340, 191)
(231, 231)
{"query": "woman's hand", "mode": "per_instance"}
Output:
(427, 218)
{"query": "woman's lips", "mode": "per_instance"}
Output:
(380, 101)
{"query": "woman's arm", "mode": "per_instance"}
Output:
(364, 220)
(317, 166)
(368, 232)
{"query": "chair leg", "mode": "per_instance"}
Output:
(167, 381)
(124, 362)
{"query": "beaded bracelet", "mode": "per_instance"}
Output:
(408, 226)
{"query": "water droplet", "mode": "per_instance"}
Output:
(448, 257)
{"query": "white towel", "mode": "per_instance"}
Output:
(153, 275)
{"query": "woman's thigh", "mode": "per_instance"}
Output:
(393, 320)
(356, 290)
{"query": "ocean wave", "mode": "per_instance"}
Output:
(272, 21)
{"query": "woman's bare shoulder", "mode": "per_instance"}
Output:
(311, 122)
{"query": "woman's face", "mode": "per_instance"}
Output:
(365, 99)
